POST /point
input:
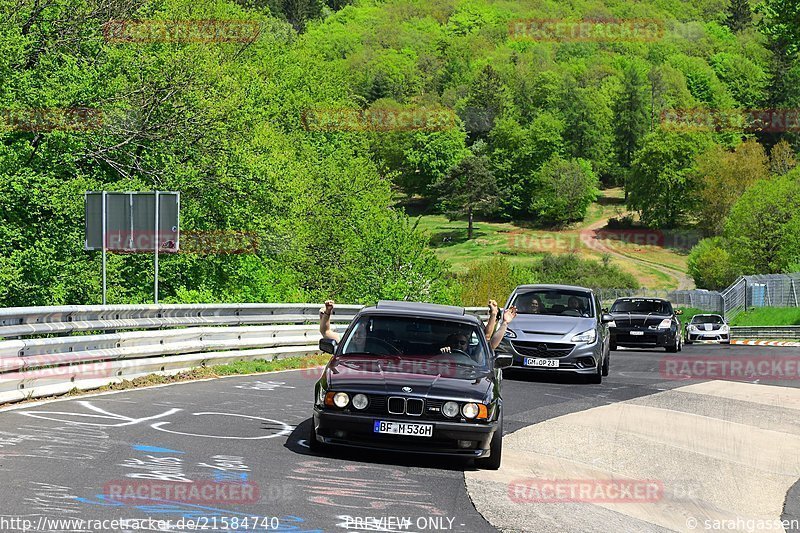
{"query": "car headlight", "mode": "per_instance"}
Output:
(612, 324)
(724, 329)
(341, 399)
(470, 410)
(665, 324)
(588, 336)
(510, 334)
(360, 401)
(692, 328)
(450, 409)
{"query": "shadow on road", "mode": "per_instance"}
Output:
(297, 442)
(561, 378)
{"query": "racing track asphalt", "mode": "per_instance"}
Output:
(62, 459)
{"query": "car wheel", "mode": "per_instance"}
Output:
(680, 344)
(606, 364)
(687, 341)
(313, 444)
(496, 450)
(674, 347)
(597, 377)
(612, 346)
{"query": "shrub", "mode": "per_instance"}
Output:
(710, 266)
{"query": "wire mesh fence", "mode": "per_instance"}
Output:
(747, 292)
(763, 290)
(710, 301)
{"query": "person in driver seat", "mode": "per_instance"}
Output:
(456, 341)
(575, 304)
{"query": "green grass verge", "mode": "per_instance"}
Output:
(769, 316)
(256, 366)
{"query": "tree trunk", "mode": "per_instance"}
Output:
(469, 230)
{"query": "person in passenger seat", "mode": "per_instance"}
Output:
(325, 329)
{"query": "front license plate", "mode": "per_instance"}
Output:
(403, 428)
(637, 332)
(548, 363)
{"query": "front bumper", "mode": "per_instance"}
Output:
(347, 429)
(582, 359)
(647, 338)
(707, 336)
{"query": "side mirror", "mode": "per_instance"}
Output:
(327, 345)
(607, 318)
(503, 360)
(679, 312)
(605, 309)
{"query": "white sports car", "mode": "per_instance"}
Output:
(704, 328)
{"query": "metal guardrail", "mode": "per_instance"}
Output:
(198, 335)
(28, 321)
(766, 332)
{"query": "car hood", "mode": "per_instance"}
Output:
(549, 327)
(706, 326)
(425, 377)
(638, 319)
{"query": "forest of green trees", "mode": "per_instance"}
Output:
(540, 126)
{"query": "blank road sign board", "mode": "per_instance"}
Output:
(131, 221)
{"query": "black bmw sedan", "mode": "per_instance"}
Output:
(412, 377)
(645, 323)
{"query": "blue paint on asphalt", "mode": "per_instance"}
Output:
(230, 476)
(154, 449)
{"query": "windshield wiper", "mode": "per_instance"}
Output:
(371, 355)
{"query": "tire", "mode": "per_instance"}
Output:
(313, 444)
(597, 377)
(612, 346)
(607, 364)
(675, 347)
(496, 450)
(680, 344)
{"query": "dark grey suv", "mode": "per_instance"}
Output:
(559, 328)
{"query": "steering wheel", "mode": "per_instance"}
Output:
(391, 348)
(458, 352)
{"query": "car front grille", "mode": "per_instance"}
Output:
(400, 406)
(415, 406)
(397, 406)
(542, 349)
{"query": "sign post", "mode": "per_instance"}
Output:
(105, 242)
(156, 246)
(132, 222)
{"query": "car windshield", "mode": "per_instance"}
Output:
(706, 319)
(642, 306)
(560, 302)
(442, 340)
